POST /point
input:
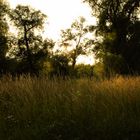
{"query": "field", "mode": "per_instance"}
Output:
(73, 109)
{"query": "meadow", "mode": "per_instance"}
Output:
(72, 109)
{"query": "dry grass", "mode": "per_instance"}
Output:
(40, 109)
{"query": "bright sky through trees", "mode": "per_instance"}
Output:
(61, 14)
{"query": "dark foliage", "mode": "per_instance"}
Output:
(118, 26)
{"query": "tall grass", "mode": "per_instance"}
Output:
(43, 109)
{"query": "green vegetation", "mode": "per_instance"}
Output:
(40, 109)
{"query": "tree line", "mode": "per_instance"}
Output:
(115, 42)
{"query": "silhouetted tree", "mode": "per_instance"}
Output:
(60, 66)
(117, 46)
(83, 70)
(73, 39)
(132, 54)
(32, 49)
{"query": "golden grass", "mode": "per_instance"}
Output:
(74, 109)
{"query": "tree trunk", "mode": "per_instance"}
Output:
(74, 61)
(29, 57)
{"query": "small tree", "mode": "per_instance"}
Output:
(73, 39)
(60, 67)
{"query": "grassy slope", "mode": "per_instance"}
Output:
(41, 109)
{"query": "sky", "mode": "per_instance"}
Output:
(61, 13)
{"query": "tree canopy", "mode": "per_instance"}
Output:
(74, 39)
(115, 40)
(32, 48)
(3, 35)
(117, 23)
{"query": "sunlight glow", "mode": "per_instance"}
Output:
(61, 13)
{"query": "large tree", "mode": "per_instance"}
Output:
(117, 25)
(31, 47)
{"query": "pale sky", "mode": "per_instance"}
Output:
(61, 13)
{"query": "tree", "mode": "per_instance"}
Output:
(3, 35)
(73, 39)
(133, 48)
(40, 52)
(116, 18)
(31, 47)
(60, 66)
(83, 70)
